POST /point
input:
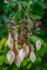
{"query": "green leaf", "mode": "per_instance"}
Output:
(38, 60)
(28, 66)
(1, 43)
(40, 3)
(6, 60)
(38, 68)
(1, 60)
(15, 68)
(5, 43)
(45, 64)
(45, 48)
(4, 68)
(37, 11)
(41, 52)
(24, 63)
(35, 16)
(42, 33)
(34, 39)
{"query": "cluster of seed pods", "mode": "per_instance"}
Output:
(17, 55)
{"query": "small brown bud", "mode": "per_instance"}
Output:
(22, 40)
(26, 49)
(31, 48)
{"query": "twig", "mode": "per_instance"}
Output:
(23, 7)
(15, 15)
(27, 12)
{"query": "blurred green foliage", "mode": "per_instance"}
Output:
(35, 9)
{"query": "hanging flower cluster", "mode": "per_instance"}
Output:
(18, 55)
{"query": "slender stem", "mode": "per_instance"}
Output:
(26, 11)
